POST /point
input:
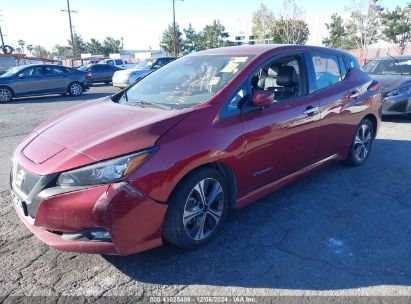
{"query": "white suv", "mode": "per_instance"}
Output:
(120, 63)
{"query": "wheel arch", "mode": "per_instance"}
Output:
(10, 88)
(374, 121)
(227, 173)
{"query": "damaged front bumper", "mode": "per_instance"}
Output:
(105, 219)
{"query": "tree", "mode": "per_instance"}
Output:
(111, 45)
(212, 36)
(190, 41)
(29, 47)
(94, 47)
(167, 40)
(364, 24)
(41, 52)
(338, 36)
(79, 44)
(290, 27)
(397, 27)
(21, 43)
(263, 23)
(62, 51)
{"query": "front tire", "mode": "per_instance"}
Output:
(75, 89)
(197, 209)
(6, 94)
(361, 144)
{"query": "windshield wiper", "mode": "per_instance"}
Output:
(148, 103)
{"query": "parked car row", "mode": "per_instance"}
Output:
(42, 79)
(166, 158)
(124, 78)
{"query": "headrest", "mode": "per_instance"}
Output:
(287, 76)
(272, 73)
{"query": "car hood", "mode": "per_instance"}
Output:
(392, 82)
(96, 131)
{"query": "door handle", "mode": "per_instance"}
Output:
(355, 94)
(310, 110)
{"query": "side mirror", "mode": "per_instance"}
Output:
(262, 98)
(156, 67)
(21, 76)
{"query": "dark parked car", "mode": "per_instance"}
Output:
(394, 75)
(126, 77)
(100, 72)
(168, 157)
(42, 79)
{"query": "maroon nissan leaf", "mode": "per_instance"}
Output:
(168, 157)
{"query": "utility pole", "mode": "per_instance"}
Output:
(174, 28)
(69, 11)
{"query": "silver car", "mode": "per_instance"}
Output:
(394, 75)
(124, 78)
(42, 79)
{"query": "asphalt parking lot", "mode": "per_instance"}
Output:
(339, 231)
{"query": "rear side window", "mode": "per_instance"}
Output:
(352, 62)
(327, 70)
(119, 62)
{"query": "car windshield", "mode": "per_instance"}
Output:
(388, 67)
(146, 63)
(12, 71)
(186, 82)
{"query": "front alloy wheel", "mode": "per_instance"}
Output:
(5, 95)
(197, 209)
(203, 209)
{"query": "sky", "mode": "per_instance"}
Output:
(141, 22)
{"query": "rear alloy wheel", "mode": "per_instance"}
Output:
(197, 210)
(5, 94)
(75, 89)
(362, 143)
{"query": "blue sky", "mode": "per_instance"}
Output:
(141, 22)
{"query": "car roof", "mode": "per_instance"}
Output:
(259, 49)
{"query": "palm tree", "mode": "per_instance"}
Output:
(29, 48)
(22, 43)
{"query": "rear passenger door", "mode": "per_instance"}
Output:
(55, 79)
(334, 92)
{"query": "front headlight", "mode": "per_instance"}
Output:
(401, 91)
(105, 172)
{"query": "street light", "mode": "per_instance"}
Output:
(174, 28)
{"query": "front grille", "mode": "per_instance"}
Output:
(24, 180)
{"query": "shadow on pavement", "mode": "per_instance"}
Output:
(397, 119)
(338, 228)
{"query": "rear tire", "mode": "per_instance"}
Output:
(197, 209)
(361, 144)
(6, 94)
(75, 89)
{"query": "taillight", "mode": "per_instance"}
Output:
(374, 86)
(88, 75)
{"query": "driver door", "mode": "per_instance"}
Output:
(282, 138)
(30, 81)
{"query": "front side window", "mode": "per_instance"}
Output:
(327, 70)
(33, 72)
(186, 82)
(119, 62)
(283, 77)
